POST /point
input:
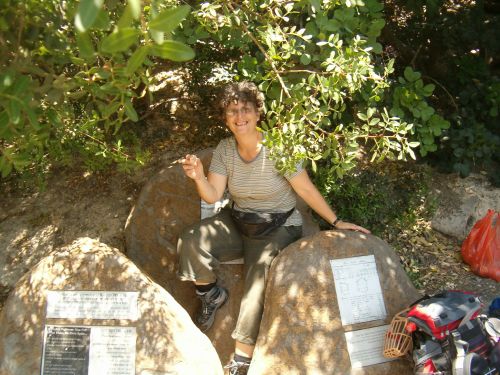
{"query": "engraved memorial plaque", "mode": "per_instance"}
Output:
(88, 350)
(66, 350)
(92, 305)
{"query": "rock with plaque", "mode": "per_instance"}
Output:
(88, 310)
(329, 299)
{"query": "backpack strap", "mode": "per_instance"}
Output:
(470, 313)
(461, 348)
(431, 350)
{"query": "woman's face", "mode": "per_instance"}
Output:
(242, 118)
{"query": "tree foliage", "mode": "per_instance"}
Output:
(75, 70)
(455, 45)
(72, 73)
(330, 91)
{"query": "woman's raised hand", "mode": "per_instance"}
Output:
(193, 168)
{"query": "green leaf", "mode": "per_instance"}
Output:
(173, 50)
(411, 75)
(377, 48)
(102, 21)
(130, 111)
(20, 162)
(333, 25)
(201, 33)
(374, 6)
(4, 120)
(4, 126)
(20, 86)
(4, 26)
(169, 19)
(390, 66)
(85, 45)
(14, 111)
(120, 40)
(136, 59)
(5, 166)
(7, 80)
(77, 60)
(32, 118)
(305, 59)
(427, 139)
(109, 109)
(316, 4)
(362, 116)
(376, 27)
(135, 7)
(158, 36)
(87, 14)
(462, 168)
(126, 19)
(437, 131)
(429, 89)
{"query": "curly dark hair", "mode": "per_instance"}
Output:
(246, 92)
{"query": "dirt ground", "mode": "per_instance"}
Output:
(76, 204)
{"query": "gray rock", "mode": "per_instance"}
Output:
(462, 202)
(166, 205)
(165, 332)
(301, 331)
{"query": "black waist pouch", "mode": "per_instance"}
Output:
(253, 224)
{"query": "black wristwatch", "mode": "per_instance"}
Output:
(334, 224)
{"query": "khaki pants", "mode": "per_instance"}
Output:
(215, 239)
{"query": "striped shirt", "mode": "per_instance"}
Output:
(255, 186)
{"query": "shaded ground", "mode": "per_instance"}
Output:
(434, 263)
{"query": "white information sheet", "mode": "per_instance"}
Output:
(92, 305)
(358, 289)
(366, 346)
(88, 350)
(112, 351)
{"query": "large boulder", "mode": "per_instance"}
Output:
(167, 204)
(301, 331)
(462, 202)
(165, 332)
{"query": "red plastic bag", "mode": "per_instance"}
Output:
(481, 248)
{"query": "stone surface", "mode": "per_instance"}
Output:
(462, 202)
(301, 331)
(166, 205)
(165, 332)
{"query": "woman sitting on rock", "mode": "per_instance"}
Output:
(262, 220)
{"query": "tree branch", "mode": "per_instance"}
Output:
(445, 90)
(266, 56)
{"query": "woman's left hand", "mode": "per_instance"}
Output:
(350, 226)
